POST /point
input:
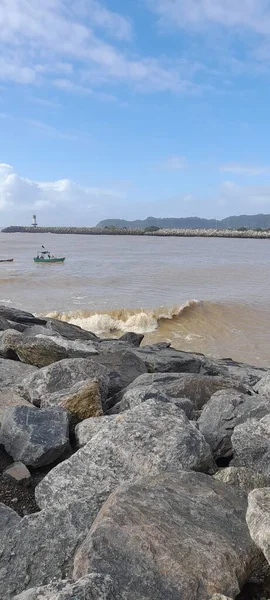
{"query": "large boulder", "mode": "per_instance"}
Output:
(69, 331)
(39, 351)
(8, 340)
(258, 519)
(176, 535)
(13, 372)
(133, 339)
(92, 587)
(198, 388)
(4, 324)
(83, 400)
(263, 386)
(251, 445)
(243, 478)
(136, 396)
(40, 548)
(221, 414)
(9, 397)
(20, 316)
(75, 348)
(48, 385)
(152, 438)
(123, 366)
(8, 519)
(87, 429)
(36, 437)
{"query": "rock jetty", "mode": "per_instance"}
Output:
(222, 233)
(129, 472)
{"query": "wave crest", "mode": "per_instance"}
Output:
(123, 320)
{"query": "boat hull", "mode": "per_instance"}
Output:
(6, 260)
(48, 260)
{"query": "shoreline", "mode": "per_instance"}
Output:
(217, 233)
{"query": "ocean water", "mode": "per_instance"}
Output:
(206, 295)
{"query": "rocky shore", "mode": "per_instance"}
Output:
(223, 233)
(129, 472)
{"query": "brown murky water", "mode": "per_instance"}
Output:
(204, 294)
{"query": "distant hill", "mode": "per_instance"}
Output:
(249, 221)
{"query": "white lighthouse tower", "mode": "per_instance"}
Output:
(34, 222)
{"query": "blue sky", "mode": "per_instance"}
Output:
(133, 108)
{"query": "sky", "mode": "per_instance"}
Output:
(131, 108)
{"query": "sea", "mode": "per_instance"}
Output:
(206, 295)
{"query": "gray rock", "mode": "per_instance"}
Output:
(20, 316)
(136, 396)
(251, 445)
(133, 339)
(258, 519)
(176, 535)
(8, 341)
(41, 547)
(34, 436)
(4, 324)
(8, 519)
(76, 348)
(123, 367)
(263, 386)
(197, 388)
(51, 383)
(9, 397)
(243, 478)
(247, 374)
(152, 438)
(18, 473)
(92, 587)
(12, 372)
(169, 360)
(221, 414)
(69, 331)
(39, 351)
(87, 429)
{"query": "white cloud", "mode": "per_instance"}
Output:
(39, 39)
(21, 194)
(251, 14)
(241, 169)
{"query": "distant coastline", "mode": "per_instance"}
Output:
(221, 233)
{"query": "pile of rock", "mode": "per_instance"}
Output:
(153, 468)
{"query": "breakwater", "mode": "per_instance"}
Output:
(221, 233)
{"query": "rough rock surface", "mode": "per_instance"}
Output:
(181, 535)
(18, 472)
(251, 445)
(92, 587)
(136, 396)
(34, 436)
(241, 477)
(87, 429)
(133, 339)
(12, 372)
(83, 401)
(225, 410)
(39, 351)
(198, 388)
(123, 366)
(51, 383)
(20, 316)
(70, 331)
(75, 348)
(10, 397)
(41, 547)
(263, 386)
(8, 519)
(152, 438)
(258, 519)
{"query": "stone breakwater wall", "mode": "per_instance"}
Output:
(147, 468)
(222, 233)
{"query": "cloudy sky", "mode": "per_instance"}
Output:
(130, 108)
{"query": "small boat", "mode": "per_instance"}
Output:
(6, 260)
(46, 257)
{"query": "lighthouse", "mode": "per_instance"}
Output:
(34, 222)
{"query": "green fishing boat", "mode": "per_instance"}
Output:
(46, 257)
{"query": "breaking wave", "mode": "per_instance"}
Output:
(123, 320)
